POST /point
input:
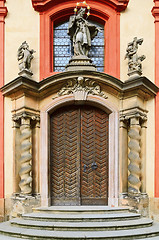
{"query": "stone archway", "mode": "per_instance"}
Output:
(96, 102)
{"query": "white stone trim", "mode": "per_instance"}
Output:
(113, 144)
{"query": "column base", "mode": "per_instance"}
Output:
(21, 204)
(137, 202)
(25, 73)
(2, 209)
(134, 74)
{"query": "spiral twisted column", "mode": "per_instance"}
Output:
(134, 167)
(26, 157)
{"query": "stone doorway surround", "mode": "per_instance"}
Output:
(113, 143)
(126, 104)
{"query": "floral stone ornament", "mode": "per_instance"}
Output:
(81, 87)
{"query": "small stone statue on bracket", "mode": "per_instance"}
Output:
(134, 61)
(25, 57)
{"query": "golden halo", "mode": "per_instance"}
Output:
(85, 3)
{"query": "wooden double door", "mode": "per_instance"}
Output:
(79, 156)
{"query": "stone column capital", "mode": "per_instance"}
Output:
(26, 118)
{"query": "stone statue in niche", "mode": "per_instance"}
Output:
(25, 57)
(81, 33)
(134, 61)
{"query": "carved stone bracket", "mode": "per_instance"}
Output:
(81, 87)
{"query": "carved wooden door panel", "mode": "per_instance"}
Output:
(79, 156)
(65, 157)
(94, 156)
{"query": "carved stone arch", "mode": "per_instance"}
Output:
(43, 5)
(96, 101)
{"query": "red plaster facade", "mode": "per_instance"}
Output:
(3, 13)
(155, 13)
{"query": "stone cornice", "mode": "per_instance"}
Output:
(43, 5)
(3, 9)
(141, 86)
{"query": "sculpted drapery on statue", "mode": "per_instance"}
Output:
(81, 33)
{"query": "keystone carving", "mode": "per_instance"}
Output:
(134, 61)
(81, 86)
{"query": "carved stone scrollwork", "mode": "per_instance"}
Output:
(134, 167)
(81, 87)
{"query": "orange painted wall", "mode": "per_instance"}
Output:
(155, 12)
(3, 13)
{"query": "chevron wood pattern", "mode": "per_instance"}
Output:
(64, 156)
(94, 149)
(79, 137)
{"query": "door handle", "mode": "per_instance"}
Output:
(94, 166)
(85, 168)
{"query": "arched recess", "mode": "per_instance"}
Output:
(96, 101)
(107, 11)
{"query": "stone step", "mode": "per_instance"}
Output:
(6, 228)
(82, 217)
(82, 226)
(81, 209)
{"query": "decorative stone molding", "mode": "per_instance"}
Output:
(81, 87)
(155, 10)
(127, 114)
(43, 5)
(25, 115)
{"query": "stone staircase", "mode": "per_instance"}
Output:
(79, 222)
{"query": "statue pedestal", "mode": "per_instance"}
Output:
(134, 74)
(80, 62)
(25, 73)
(137, 202)
(22, 204)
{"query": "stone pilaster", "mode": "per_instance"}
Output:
(123, 157)
(16, 154)
(36, 173)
